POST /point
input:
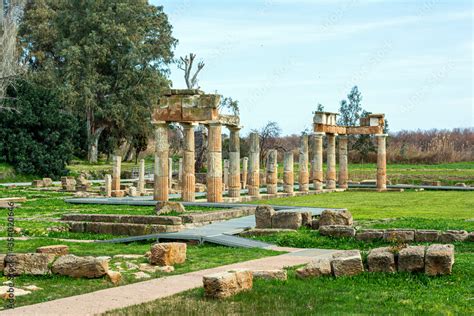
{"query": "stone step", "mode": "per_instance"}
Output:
(126, 219)
(121, 229)
(217, 215)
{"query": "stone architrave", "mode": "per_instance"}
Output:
(343, 164)
(288, 173)
(381, 162)
(331, 162)
(254, 165)
(141, 177)
(108, 185)
(214, 163)
(233, 177)
(272, 172)
(245, 164)
(161, 185)
(188, 181)
(303, 179)
(318, 161)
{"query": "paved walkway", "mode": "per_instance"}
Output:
(119, 297)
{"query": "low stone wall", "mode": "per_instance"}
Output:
(217, 215)
(132, 219)
(122, 229)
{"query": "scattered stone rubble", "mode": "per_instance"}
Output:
(267, 218)
(225, 284)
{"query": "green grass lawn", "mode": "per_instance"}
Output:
(54, 286)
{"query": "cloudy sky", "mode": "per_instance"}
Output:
(410, 59)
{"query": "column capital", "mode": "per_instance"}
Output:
(234, 128)
(159, 123)
(189, 124)
(381, 135)
(342, 137)
(318, 134)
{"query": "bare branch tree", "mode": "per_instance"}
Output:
(10, 68)
(186, 64)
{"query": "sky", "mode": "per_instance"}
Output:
(411, 60)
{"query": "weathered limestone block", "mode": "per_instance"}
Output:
(165, 207)
(2, 261)
(347, 263)
(399, 235)
(68, 183)
(337, 231)
(381, 260)
(168, 254)
(335, 217)
(263, 216)
(27, 263)
(411, 259)
(453, 236)
(315, 224)
(290, 220)
(369, 234)
(276, 274)
(439, 259)
(37, 183)
(108, 185)
(306, 219)
(114, 276)
(424, 235)
(316, 268)
(132, 191)
(225, 284)
(47, 182)
(470, 237)
(264, 232)
(57, 250)
(80, 267)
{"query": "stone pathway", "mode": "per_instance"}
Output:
(119, 297)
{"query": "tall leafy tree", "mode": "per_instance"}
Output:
(108, 59)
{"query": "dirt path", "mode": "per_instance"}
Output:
(119, 297)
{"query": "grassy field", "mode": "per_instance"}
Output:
(54, 286)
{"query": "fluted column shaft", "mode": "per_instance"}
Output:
(245, 164)
(272, 172)
(331, 162)
(303, 178)
(318, 161)
(188, 178)
(234, 162)
(141, 177)
(254, 165)
(288, 173)
(381, 162)
(161, 172)
(214, 163)
(343, 167)
(116, 170)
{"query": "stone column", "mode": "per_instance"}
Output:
(188, 180)
(343, 168)
(226, 175)
(272, 172)
(180, 171)
(381, 162)
(312, 155)
(331, 162)
(318, 161)
(288, 174)
(161, 183)
(141, 177)
(214, 163)
(117, 169)
(108, 185)
(254, 165)
(245, 163)
(303, 178)
(170, 172)
(234, 164)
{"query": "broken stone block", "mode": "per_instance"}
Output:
(265, 231)
(411, 259)
(315, 224)
(145, 267)
(306, 219)
(337, 231)
(114, 277)
(37, 183)
(316, 268)
(168, 254)
(165, 207)
(470, 237)
(289, 220)
(263, 216)
(369, 234)
(26, 263)
(47, 182)
(132, 191)
(57, 250)
(453, 236)
(399, 235)
(347, 263)
(425, 235)
(80, 267)
(225, 284)
(276, 274)
(439, 259)
(381, 260)
(335, 217)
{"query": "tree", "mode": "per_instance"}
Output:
(40, 137)
(227, 103)
(108, 59)
(10, 68)
(350, 110)
(269, 138)
(320, 108)
(186, 65)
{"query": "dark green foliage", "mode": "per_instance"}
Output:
(39, 137)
